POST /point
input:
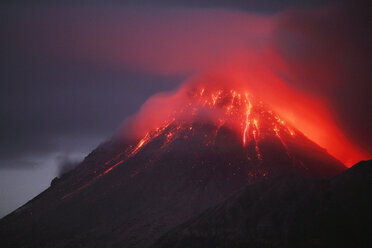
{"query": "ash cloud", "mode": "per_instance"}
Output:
(66, 164)
(327, 53)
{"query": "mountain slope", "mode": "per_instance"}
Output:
(130, 191)
(287, 211)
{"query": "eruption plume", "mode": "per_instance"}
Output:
(300, 62)
(253, 110)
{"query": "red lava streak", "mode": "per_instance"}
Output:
(254, 109)
(112, 167)
(173, 116)
(234, 108)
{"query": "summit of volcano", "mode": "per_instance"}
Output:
(135, 187)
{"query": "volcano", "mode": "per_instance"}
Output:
(131, 190)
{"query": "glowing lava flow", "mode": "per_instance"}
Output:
(127, 154)
(143, 141)
(223, 108)
(247, 122)
(112, 167)
(147, 138)
(242, 110)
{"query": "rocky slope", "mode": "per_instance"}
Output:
(287, 211)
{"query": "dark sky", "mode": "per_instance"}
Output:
(59, 100)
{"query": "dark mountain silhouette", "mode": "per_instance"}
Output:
(128, 193)
(287, 211)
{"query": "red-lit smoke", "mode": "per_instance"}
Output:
(258, 66)
(293, 61)
(301, 111)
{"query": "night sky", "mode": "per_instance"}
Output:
(71, 73)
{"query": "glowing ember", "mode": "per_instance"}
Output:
(112, 167)
(140, 144)
(216, 108)
(238, 111)
(231, 108)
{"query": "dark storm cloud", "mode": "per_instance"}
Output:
(44, 104)
(50, 105)
(329, 53)
(250, 5)
(61, 81)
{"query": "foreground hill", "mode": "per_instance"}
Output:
(287, 211)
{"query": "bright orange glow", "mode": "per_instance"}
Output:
(140, 144)
(216, 100)
(219, 106)
(202, 92)
(247, 114)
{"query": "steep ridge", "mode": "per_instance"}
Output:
(130, 191)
